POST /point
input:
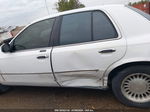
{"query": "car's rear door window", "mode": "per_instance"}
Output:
(103, 27)
(76, 28)
(85, 27)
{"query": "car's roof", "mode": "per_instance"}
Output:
(102, 7)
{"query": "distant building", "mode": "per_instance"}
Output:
(142, 5)
(9, 32)
(2, 30)
(4, 35)
(16, 30)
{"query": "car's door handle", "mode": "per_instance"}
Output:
(42, 57)
(43, 50)
(107, 51)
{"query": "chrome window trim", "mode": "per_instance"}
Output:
(91, 42)
(35, 49)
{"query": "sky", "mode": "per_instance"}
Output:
(22, 12)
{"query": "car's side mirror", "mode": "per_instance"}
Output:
(7, 40)
(6, 47)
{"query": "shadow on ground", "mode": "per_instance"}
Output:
(61, 98)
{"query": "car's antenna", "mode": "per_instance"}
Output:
(47, 7)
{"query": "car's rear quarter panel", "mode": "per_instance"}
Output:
(136, 30)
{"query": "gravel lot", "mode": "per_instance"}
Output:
(62, 98)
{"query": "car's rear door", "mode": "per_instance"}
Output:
(88, 44)
(29, 63)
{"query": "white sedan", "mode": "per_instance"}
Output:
(98, 47)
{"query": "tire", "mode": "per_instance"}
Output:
(4, 89)
(130, 85)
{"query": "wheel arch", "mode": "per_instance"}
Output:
(114, 72)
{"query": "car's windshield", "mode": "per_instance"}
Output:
(147, 16)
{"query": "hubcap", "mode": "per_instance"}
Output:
(136, 87)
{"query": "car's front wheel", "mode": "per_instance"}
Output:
(4, 88)
(132, 86)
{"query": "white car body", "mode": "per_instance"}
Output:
(81, 65)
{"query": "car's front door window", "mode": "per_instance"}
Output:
(35, 36)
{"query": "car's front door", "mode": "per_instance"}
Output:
(29, 63)
(88, 44)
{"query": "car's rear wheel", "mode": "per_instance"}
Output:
(132, 86)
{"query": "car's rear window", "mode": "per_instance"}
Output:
(147, 16)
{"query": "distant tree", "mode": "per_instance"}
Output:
(64, 5)
(142, 1)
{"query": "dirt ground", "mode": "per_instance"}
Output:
(61, 99)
